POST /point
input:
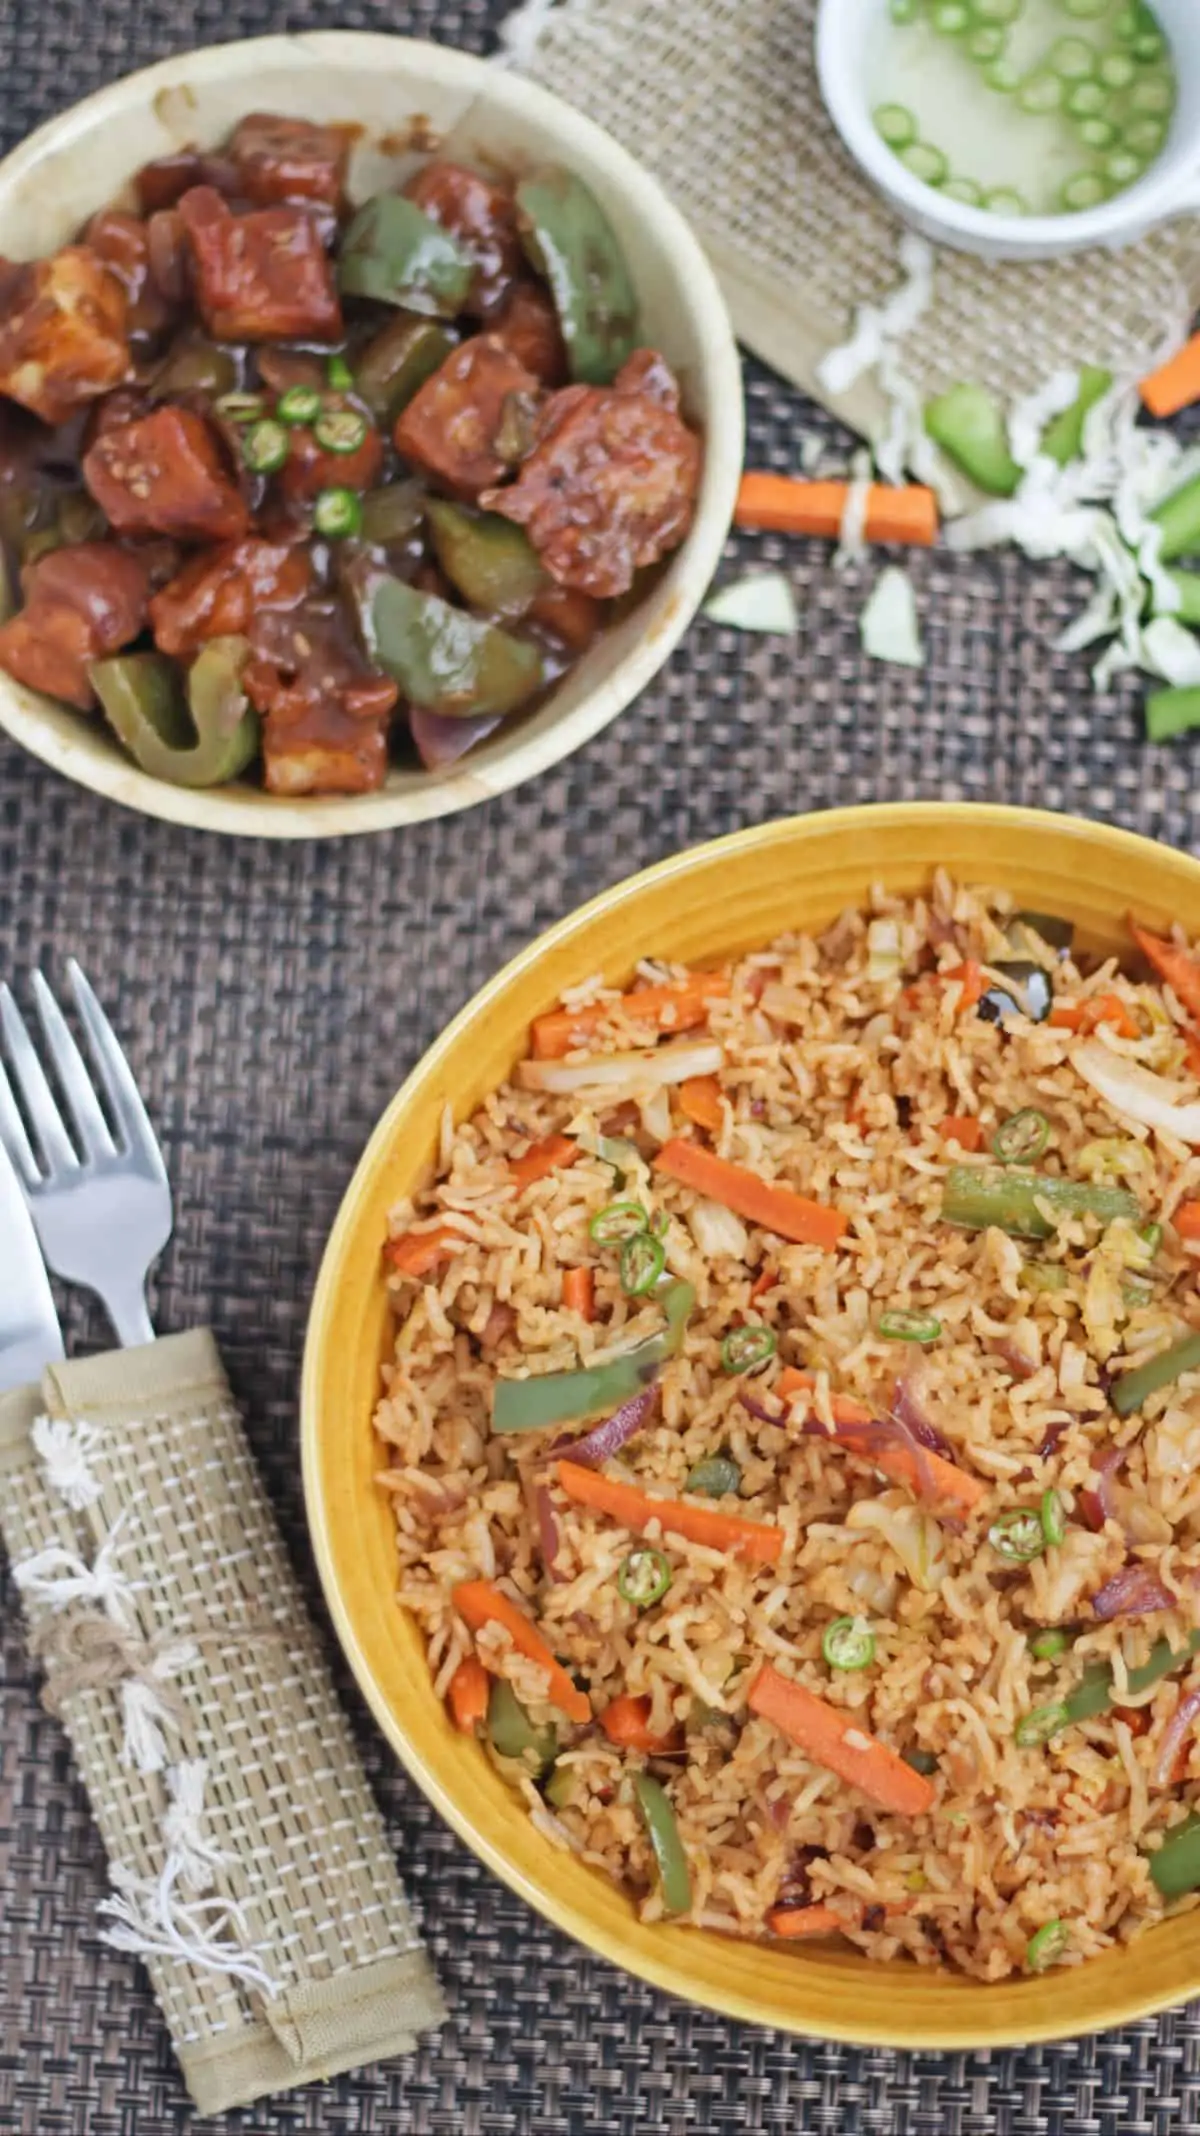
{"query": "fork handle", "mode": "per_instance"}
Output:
(130, 1319)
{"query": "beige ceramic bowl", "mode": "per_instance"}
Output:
(77, 163)
(713, 902)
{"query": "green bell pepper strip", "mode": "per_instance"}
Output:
(1175, 1866)
(1179, 517)
(487, 558)
(446, 660)
(969, 426)
(718, 1477)
(393, 514)
(144, 704)
(663, 1832)
(397, 255)
(560, 1788)
(1010, 1200)
(1171, 712)
(1135, 1388)
(573, 246)
(396, 363)
(1062, 439)
(1093, 1693)
(510, 1730)
(194, 365)
(565, 1397)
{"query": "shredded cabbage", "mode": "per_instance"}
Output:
(888, 623)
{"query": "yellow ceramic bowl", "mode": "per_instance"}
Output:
(709, 903)
(393, 86)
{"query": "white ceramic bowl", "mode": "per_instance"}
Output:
(51, 184)
(845, 29)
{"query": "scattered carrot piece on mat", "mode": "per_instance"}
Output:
(579, 1292)
(1176, 383)
(700, 1102)
(1086, 1016)
(794, 1921)
(479, 1603)
(468, 1694)
(1187, 1220)
(761, 1201)
(418, 1252)
(754, 1539)
(783, 504)
(963, 1128)
(836, 1740)
(679, 1007)
(626, 1722)
(552, 1155)
(894, 1458)
(1181, 972)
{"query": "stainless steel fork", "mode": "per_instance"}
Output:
(101, 1204)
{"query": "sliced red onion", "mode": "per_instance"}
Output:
(500, 1322)
(759, 1409)
(1135, 1591)
(603, 1440)
(547, 1529)
(443, 741)
(1098, 1506)
(1051, 1437)
(1021, 1367)
(1173, 1738)
(906, 1410)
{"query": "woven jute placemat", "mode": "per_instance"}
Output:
(272, 999)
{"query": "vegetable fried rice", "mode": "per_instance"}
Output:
(793, 1431)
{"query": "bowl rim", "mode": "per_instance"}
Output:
(562, 1912)
(247, 812)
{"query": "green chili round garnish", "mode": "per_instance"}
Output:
(1054, 1526)
(718, 1477)
(1087, 100)
(618, 1221)
(337, 514)
(1086, 189)
(1040, 93)
(265, 448)
(1047, 1947)
(1049, 1645)
(1116, 69)
(300, 404)
(1074, 58)
(643, 1259)
(241, 407)
(644, 1578)
(895, 124)
(1038, 1726)
(848, 1644)
(900, 1326)
(925, 162)
(745, 1349)
(340, 430)
(1017, 1535)
(339, 374)
(1022, 1137)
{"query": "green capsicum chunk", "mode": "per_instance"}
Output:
(489, 559)
(445, 660)
(561, 1787)
(969, 426)
(566, 1397)
(397, 255)
(573, 246)
(1013, 1201)
(1062, 439)
(393, 514)
(194, 364)
(1175, 1866)
(512, 1733)
(663, 1833)
(1134, 1388)
(203, 740)
(1171, 712)
(396, 363)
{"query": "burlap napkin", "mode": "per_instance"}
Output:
(250, 1865)
(720, 99)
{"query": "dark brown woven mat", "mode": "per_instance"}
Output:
(272, 999)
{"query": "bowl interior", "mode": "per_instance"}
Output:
(707, 904)
(397, 89)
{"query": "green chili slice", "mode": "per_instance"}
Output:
(1017, 1535)
(718, 1477)
(1022, 1137)
(663, 1833)
(901, 1326)
(1175, 1866)
(1016, 1202)
(1133, 1389)
(339, 374)
(565, 1397)
(265, 447)
(337, 514)
(1038, 1726)
(618, 1221)
(644, 1577)
(746, 1349)
(340, 430)
(848, 1645)
(1054, 1526)
(1047, 1947)
(241, 407)
(300, 404)
(1049, 1645)
(643, 1259)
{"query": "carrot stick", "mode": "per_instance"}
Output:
(579, 1292)
(700, 1102)
(1191, 1040)
(837, 1741)
(418, 1252)
(895, 1459)
(971, 976)
(1187, 1220)
(634, 1508)
(764, 1281)
(776, 1208)
(1084, 1016)
(625, 1723)
(964, 1129)
(784, 505)
(1181, 972)
(1176, 383)
(479, 1603)
(793, 1921)
(468, 1694)
(555, 1154)
(667, 1008)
